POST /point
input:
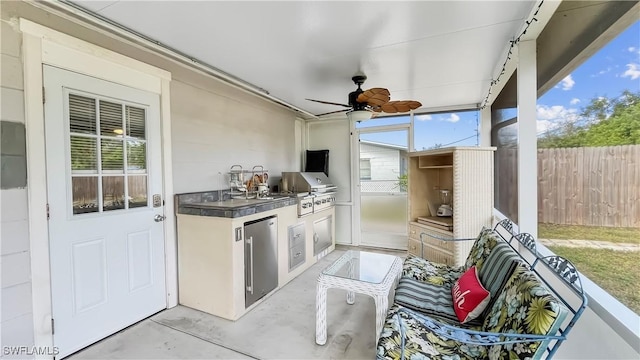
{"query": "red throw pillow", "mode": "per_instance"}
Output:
(470, 298)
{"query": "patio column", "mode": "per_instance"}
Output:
(485, 126)
(527, 139)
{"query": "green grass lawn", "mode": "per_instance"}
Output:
(618, 235)
(615, 271)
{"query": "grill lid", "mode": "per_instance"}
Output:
(316, 180)
(306, 181)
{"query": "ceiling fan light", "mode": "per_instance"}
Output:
(359, 115)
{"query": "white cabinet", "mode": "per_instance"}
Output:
(468, 173)
(211, 260)
(212, 263)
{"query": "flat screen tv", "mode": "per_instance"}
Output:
(317, 161)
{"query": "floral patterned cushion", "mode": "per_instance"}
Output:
(486, 241)
(420, 342)
(524, 306)
(430, 272)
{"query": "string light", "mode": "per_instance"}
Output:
(512, 44)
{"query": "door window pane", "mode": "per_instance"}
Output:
(135, 122)
(119, 169)
(83, 154)
(383, 201)
(84, 194)
(110, 119)
(136, 155)
(137, 191)
(82, 114)
(112, 192)
(112, 155)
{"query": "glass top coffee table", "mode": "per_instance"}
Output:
(362, 272)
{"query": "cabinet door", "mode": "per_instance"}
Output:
(261, 258)
(415, 247)
(321, 235)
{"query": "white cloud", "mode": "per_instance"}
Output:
(602, 72)
(574, 101)
(544, 126)
(453, 118)
(567, 83)
(556, 112)
(550, 117)
(633, 71)
(632, 49)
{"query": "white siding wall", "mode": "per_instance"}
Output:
(212, 131)
(214, 126)
(334, 135)
(16, 316)
(385, 162)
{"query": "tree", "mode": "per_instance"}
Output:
(604, 122)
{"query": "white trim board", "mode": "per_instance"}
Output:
(40, 46)
(53, 37)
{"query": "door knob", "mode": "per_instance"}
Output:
(158, 218)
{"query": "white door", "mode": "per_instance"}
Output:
(104, 184)
(382, 161)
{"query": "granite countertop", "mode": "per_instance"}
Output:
(229, 208)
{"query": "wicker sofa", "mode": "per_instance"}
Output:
(525, 316)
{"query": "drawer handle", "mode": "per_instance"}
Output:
(297, 254)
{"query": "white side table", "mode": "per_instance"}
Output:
(362, 272)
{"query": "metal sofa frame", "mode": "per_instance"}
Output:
(563, 270)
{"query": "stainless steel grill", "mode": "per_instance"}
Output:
(315, 191)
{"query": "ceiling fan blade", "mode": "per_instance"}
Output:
(400, 106)
(333, 112)
(374, 96)
(329, 103)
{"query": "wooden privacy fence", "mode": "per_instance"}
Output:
(597, 186)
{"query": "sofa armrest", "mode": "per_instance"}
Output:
(469, 336)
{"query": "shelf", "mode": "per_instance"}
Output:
(435, 161)
(470, 182)
(436, 167)
(247, 171)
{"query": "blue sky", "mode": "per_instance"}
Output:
(616, 67)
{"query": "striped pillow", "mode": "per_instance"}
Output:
(432, 300)
(497, 269)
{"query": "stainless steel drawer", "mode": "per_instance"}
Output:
(296, 235)
(296, 256)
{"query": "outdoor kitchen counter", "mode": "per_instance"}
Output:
(212, 244)
(233, 208)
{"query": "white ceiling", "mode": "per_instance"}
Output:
(441, 53)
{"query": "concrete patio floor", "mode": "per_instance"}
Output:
(282, 327)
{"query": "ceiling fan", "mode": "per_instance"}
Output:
(373, 101)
